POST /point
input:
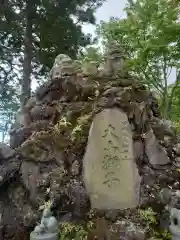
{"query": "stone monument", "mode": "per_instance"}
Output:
(47, 229)
(110, 172)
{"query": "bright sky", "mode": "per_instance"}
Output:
(110, 8)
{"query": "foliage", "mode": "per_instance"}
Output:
(91, 53)
(8, 107)
(150, 219)
(57, 28)
(72, 231)
(78, 232)
(149, 216)
(177, 125)
(150, 36)
(54, 27)
(83, 122)
(175, 107)
(163, 235)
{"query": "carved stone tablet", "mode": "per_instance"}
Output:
(110, 172)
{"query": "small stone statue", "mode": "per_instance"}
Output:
(48, 227)
(175, 223)
(63, 66)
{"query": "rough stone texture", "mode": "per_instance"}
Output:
(124, 229)
(89, 69)
(156, 153)
(50, 141)
(6, 152)
(109, 159)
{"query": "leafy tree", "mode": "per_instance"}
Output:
(91, 53)
(33, 32)
(150, 36)
(175, 105)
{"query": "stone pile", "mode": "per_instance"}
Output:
(89, 138)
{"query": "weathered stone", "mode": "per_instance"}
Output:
(43, 112)
(66, 69)
(156, 154)
(138, 151)
(168, 141)
(5, 151)
(100, 231)
(177, 149)
(138, 113)
(63, 66)
(87, 91)
(8, 169)
(162, 128)
(18, 136)
(41, 125)
(109, 159)
(165, 195)
(89, 69)
(61, 58)
(78, 198)
(106, 102)
(19, 121)
(175, 200)
(111, 215)
(114, 60)
(75, 168)
(127, 230)
(176, 162)
(30, 174)
(113, 91)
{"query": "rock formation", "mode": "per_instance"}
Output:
(50, 148)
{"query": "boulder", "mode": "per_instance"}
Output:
(6, 152)
(157, 155)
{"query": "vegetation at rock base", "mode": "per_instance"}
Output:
(70, 231)
(150, 219)
(77, 231)
(147, 216)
